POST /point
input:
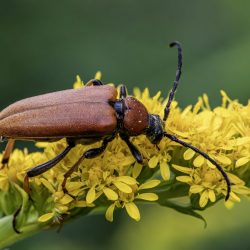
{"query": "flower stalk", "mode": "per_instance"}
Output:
(171, 175)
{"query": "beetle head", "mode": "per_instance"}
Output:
(155, 128)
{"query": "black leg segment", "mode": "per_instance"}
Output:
(123, 92)
(135, 152)
(49, 164)
(94, 82)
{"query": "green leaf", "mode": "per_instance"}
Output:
(182, 208)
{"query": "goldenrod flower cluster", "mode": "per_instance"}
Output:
(114, 180)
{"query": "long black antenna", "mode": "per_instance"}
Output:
(177, 78)
(224, 174)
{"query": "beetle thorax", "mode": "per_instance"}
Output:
(136, 117)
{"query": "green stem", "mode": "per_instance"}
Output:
(8, 236)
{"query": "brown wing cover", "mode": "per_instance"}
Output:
(84, 112)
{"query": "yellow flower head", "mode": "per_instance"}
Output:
(115, 180)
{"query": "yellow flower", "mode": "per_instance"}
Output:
(115, 180)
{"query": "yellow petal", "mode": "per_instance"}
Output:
(234, 197)
(136, 170)
(203, 199)
(152, 163)
(211, 195)
(132, 211)
(148, 196)
(242, 140)
(45, 217)
(182, 169)
(83, 204)
(149, 184)
(229, 204)
(110, 194)
(184, 178)
(235, 179)
(66, 199)
(109, 212)
(196, 189)
(241, 189)
(48, 185)
(98, 75)
(78, 83)
(126, 179)
(165, 171)
(73, 185)
(242, 161)
(123, 187)
(91, 195)
(188, 154)
(62, 208)
(223, 159)
(199, 161)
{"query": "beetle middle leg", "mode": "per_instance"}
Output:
(91, 153)
(46, 166)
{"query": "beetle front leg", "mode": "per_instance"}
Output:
(135, 152)
(94, 82)
(123, 92)
(45, 166)
(7, 152)
(91, 153)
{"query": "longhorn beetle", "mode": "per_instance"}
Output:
(86, 115)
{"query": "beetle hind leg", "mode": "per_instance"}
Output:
(8, 150)
(46, 166)
(91, 153)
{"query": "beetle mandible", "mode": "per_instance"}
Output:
(71, 114)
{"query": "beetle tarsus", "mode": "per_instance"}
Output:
(185, 144)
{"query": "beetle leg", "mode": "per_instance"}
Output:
(45, 166)
(7, 152)
(14, 220)
(123, 92)
(94, 82)
(91, 153)
(135, 152)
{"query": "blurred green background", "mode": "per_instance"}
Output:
(44, 44)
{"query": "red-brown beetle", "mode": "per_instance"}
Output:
(87, 115)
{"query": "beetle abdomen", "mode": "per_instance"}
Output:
(71, 113)
(136, 116)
